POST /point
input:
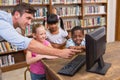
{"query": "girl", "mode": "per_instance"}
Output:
(56, 33)
(77, 40)
(36, 66)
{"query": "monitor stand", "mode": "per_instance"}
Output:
(100, 67)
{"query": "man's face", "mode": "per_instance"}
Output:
(24, 20)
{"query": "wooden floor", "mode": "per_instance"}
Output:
(17, 74)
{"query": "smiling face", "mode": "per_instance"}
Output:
(22, 15)
(77, 37)
(40, 34)
(23, 20)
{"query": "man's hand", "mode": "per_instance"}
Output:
(67, 53)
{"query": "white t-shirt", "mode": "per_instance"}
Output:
(57, 38)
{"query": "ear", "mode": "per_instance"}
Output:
(47, 26)
(33, 35)
(17, 14)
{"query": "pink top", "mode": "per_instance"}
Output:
(38, 67)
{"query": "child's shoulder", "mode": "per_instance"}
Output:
(46, 42)
(64, 32)
(70, 40)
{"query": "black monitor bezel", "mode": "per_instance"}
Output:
(94, 59)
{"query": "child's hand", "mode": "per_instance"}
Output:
(46, 57)
(39, 56)
(50, 57)
(72, 47)
(79, 48)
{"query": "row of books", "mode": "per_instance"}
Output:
(70, 23)
(40, 12)
(6, 60)
(36, 1)
(94, 9)
(66, 1)
(93, 21)
(7, 47)
(89, 30)
(88, 1)
(6, 9)
(28, 30)
(9, 2)
(68, 10)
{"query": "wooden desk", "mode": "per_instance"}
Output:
(0, 74)
(112, 56)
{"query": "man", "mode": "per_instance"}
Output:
(21, 17)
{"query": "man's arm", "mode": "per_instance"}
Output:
(10, 34)
(37, 47)
(59, 46)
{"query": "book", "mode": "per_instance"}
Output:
(4, 47)
(26, 1)
(0, 2)
(1, 48)
(8, 46)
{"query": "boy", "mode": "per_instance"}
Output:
(77, 40)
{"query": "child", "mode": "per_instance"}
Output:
(56, 33)
(36, 66)
(77, 40)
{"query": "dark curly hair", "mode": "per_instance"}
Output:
(77, 28)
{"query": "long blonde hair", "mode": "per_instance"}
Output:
(35, 26)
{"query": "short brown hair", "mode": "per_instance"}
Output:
(24, 8)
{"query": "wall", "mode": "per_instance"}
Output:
(111, 20)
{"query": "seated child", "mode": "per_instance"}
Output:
(37, 70)
(56, 33)
(77, 40)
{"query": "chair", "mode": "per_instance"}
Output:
(25, 72)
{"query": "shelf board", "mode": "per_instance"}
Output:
(87, 3)
(7, 6)
(40, 5)
(10, 52)
(66, 3)
(91, 27)
(14, 66)
(86, 15)
(38, 19)
(70, 16)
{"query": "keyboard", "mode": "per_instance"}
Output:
(73, 66)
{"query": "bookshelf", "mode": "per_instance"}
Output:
(70, 11)
(11, 57)
(94, 14)
(89, 14)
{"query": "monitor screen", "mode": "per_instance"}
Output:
(95, 48)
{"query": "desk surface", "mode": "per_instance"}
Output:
(112, 56)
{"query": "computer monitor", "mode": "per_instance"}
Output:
(95, 49)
